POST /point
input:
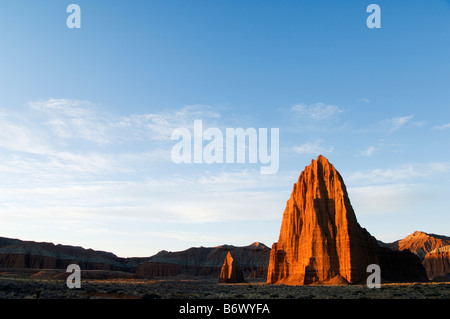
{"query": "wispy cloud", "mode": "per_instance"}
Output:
(442, 127)
(73, 140)
(373, 149)
(317, 111)
(313, 148)
(68, 107)
(75, 119)
(159, 126)
(60, 173)
(385, 199)
(379, 175)
(19, 136)
(394, 190)
(70, 119)
(56, 165)
(369, 151)
(400, 174)
(394, 124)
(169, 199)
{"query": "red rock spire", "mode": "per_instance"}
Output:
(320, 239)
(231, 272)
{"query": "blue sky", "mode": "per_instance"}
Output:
(86, 117)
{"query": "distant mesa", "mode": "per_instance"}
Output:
(321, 241)
(421, 243)
(231, 271)
(207, 262)
(201, 262)
(18, 254)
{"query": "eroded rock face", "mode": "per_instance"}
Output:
(231, 272)
(437, 263)
(320, 239)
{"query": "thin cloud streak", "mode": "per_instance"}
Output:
(317, 111)
(313, 148)
(442, 127)
(395, 123)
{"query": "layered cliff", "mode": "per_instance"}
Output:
(18, 254)
(207, 261)
(437, 263)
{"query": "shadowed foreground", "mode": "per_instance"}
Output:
(12, 287)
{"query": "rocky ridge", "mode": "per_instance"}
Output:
(18, 254)
(196, 261)
(207, 261)
(420, 243)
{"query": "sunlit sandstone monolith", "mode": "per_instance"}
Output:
(231, 272)
(320, 239)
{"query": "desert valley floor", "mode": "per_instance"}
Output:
(23, 286)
